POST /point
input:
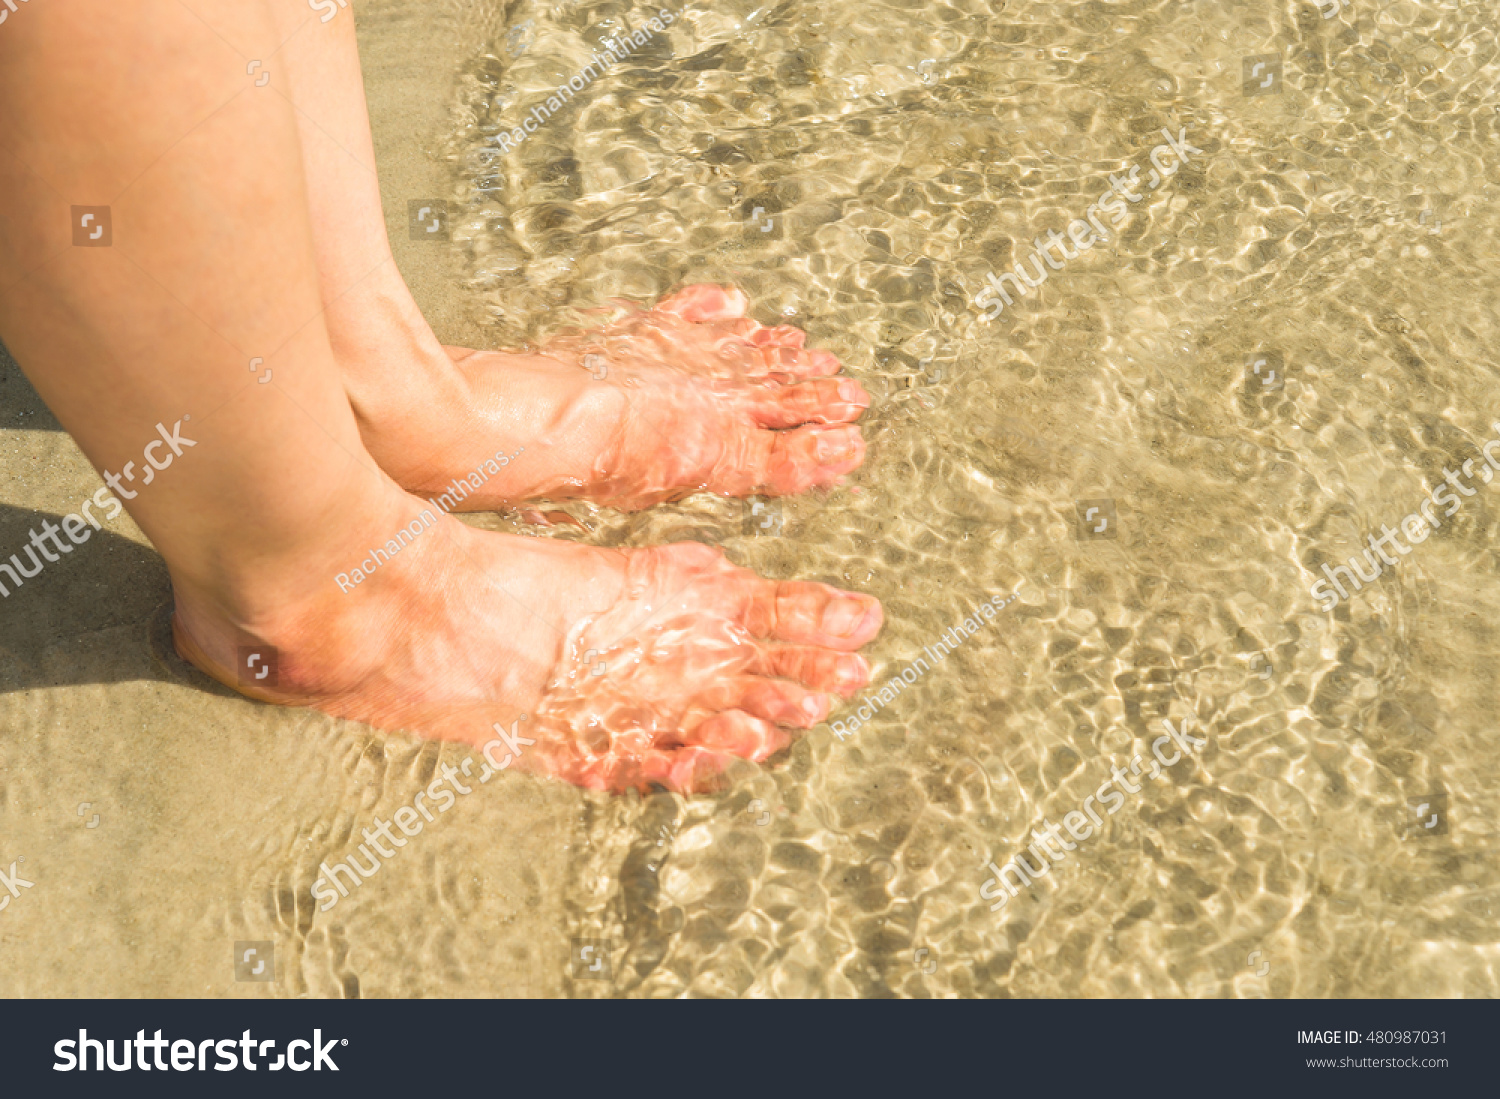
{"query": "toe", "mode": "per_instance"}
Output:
(780, 463)
(782, 335)
(796, 361)
(810, 457)
(705, 302)
(838, 673)
(825, 401)
(779, 700)
(807, 613)
(691, 770)
(739, 734)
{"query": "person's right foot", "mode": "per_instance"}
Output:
(637, 667)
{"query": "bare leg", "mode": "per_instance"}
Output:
(271, 500)
(685, 397)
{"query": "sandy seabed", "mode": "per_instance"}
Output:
(859, 169)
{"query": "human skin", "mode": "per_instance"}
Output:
(145, 106)
(694, 396)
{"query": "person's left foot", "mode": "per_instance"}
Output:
(688, 396)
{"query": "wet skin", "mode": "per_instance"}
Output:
(290, 483)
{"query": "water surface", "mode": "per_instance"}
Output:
(859, 168)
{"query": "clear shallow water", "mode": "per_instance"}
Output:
(898, 153)
(858, 169)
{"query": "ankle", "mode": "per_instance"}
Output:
(229, 596)
(393, 366)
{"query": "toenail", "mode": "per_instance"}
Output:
(854, 393)
(810, 706)
(842, 616)
(834, 446)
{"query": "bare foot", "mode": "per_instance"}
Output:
(689, 396)
(636, 667)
